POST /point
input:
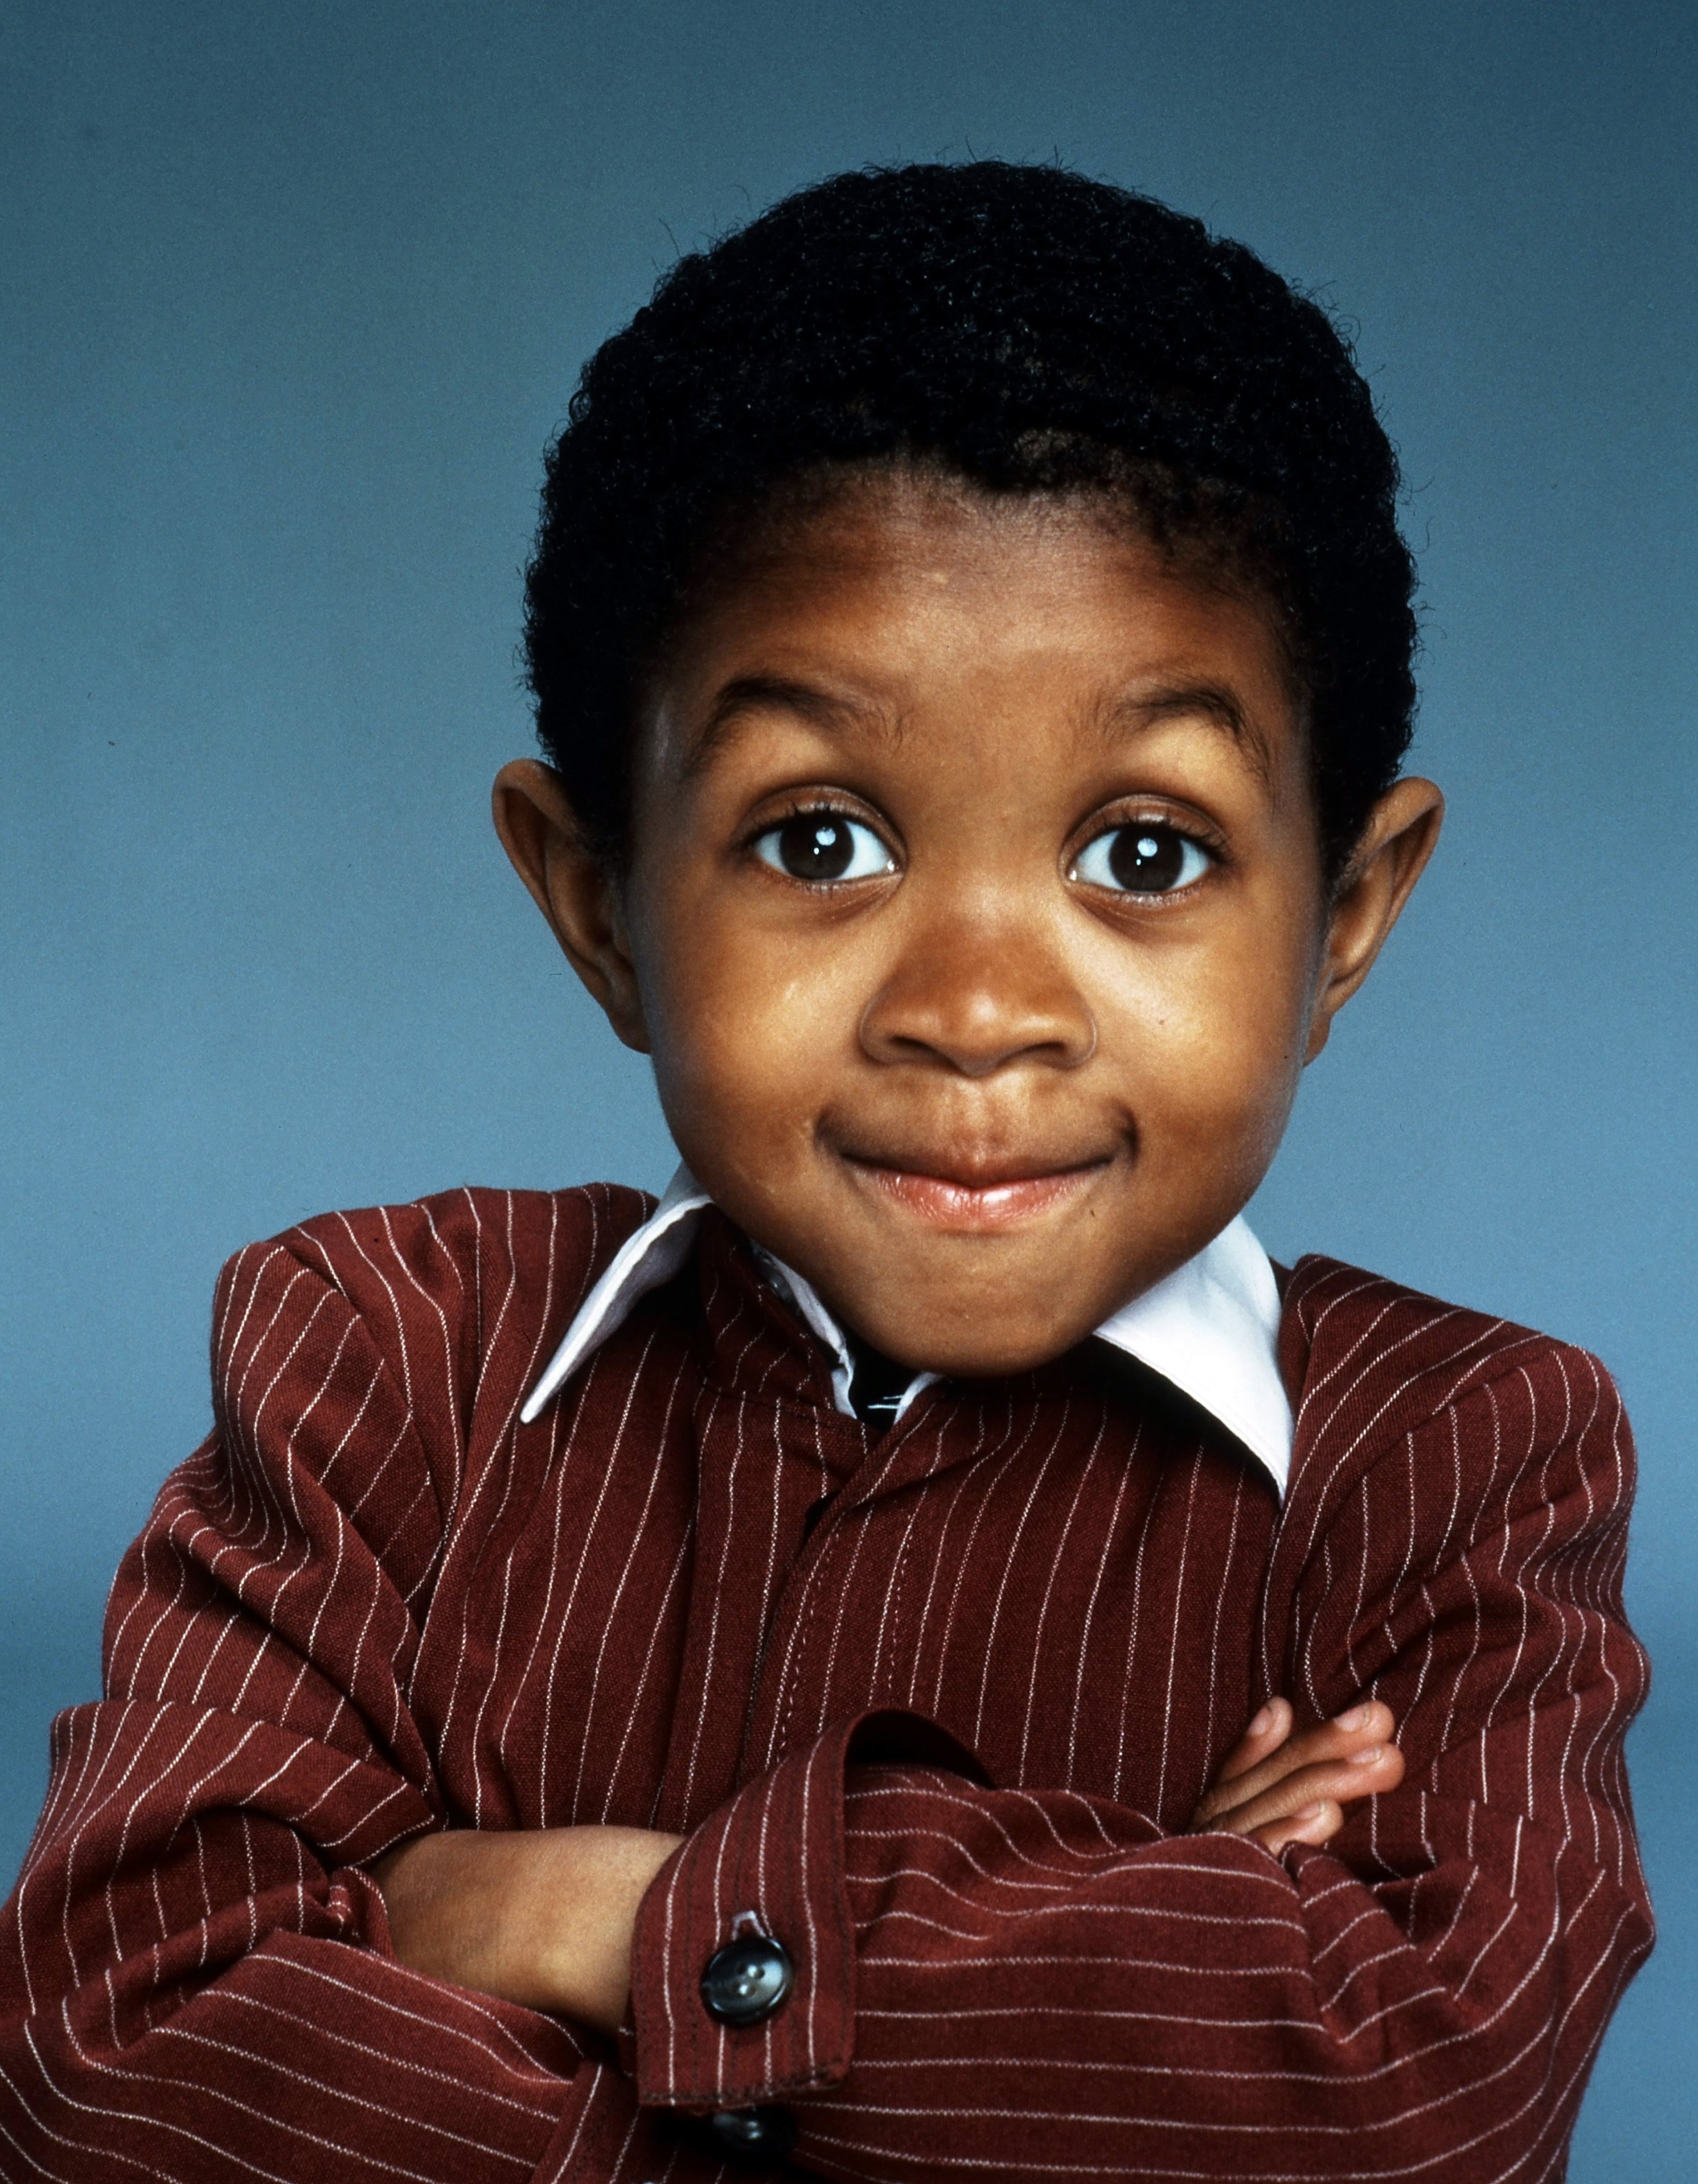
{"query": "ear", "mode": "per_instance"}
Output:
(573, 889)
(1395, 844)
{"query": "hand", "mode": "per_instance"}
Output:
(539, 1916)
(1277, 1789)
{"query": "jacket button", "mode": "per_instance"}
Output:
(753, 2134)
(746, 1980)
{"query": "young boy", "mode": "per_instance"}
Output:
(765, 1677)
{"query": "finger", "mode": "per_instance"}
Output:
(1335, 1781)
(1314, 1824)
(1366, 1728)
(1266, 1733)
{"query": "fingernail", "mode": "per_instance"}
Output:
(1262, 1724)
(1356, 1718)
(1371, 1757)
(1309, 1812)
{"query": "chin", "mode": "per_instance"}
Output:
(976, 1353)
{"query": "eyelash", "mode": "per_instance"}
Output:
(825, 815)
(827, 812)
(1191, 841)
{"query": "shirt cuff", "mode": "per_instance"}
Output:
(769, 1863)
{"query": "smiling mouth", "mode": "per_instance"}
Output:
(974, 1199)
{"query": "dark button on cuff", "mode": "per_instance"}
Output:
(753, 2134)
(746, 1981)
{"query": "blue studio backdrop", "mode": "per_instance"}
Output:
(293, 296)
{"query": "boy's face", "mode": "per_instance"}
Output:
(974, 919)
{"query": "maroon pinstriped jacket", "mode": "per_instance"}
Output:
(373, 1602)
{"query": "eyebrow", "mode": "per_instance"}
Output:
(1128, 714)
(834, 713)
(751, 693)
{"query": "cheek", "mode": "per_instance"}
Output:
(1209, 1041)
(747, 1029)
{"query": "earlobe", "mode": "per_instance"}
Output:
(571, 887)
(1389, 858)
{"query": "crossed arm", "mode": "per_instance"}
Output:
(545, 1918)
(199, 1976)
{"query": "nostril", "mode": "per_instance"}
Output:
(976, 1038)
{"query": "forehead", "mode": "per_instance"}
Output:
(873, 602)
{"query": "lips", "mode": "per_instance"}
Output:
(947, 1192)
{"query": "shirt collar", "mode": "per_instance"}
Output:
(1210, 1327)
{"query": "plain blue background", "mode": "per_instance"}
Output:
(294, 293)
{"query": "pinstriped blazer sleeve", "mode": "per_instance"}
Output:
(1017, 1983)
(195, 1974)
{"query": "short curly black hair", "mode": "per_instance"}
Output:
(1021, 327)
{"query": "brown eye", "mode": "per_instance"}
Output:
(823, 846)
(1142, 859)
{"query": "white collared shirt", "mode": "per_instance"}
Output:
(1210, 1327)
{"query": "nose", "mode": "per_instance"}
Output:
(976, 995)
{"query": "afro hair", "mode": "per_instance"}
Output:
(1025, 329)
